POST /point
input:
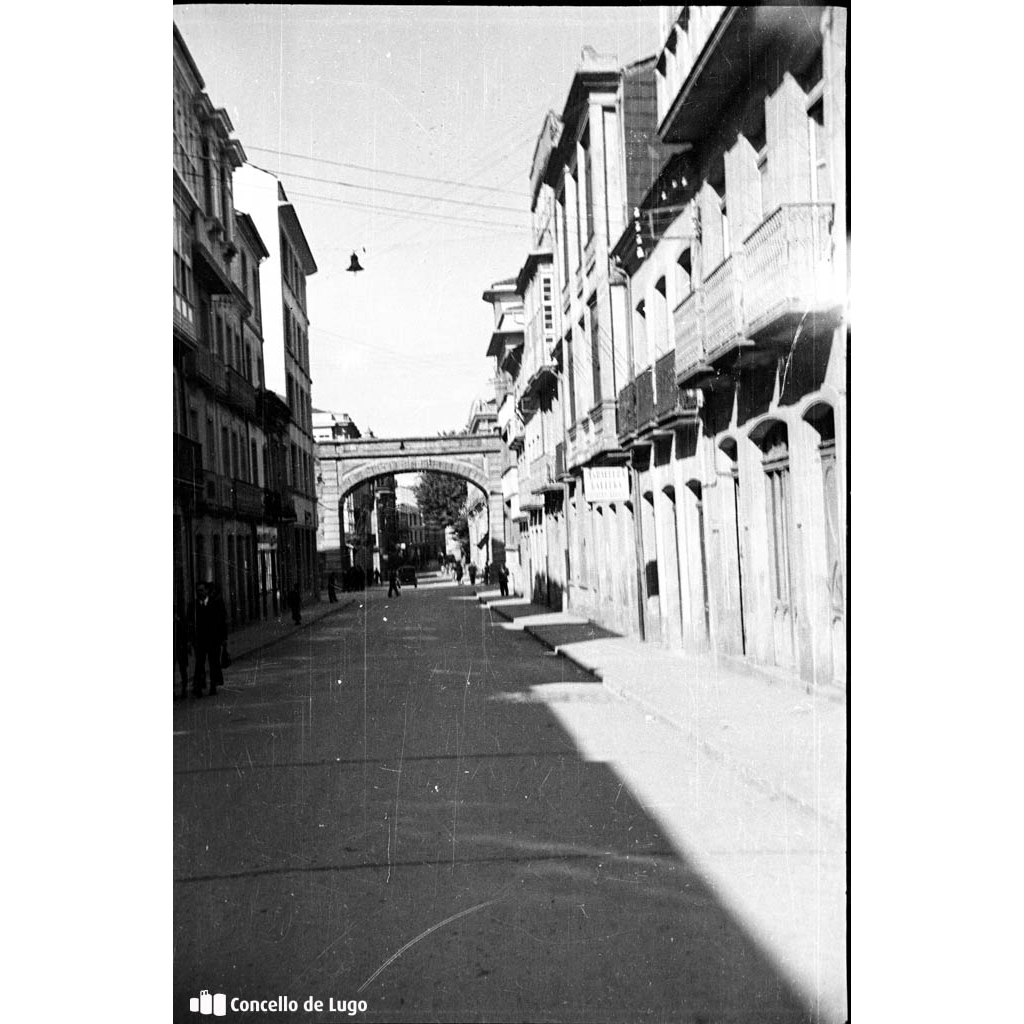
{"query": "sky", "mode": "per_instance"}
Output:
(453, 95)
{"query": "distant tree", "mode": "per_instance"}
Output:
(442, 501)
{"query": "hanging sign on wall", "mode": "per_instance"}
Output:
(605, 483)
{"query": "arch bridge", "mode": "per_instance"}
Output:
(345, 463)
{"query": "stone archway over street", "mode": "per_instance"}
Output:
(345, 463)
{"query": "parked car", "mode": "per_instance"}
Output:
(407, 574)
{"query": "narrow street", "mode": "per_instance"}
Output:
(414, 804)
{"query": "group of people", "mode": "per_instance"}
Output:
(455, 569)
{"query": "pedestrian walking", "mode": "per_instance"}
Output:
(472, 574)
(208, 630)
(332, 590)
(487, 573)
(295, 604)
(376, 575)
(458, 573)
(394, 587)
(503, 581)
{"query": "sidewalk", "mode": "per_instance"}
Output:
(782, 740)
(258, 635)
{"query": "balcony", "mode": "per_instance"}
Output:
(248, 500)
(722, 44)
(645, 399)
(691, 362)
(241, 394)
(627, 413)
(673, 406)
(559, 468)
(211, 255)
(188, 469)
(723, 311)
(790, 274)
(278, 506)
(216, 496)
(203, 366)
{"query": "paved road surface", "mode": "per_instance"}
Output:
(414, 805)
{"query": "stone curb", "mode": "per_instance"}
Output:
(758, 781)
(264, 644)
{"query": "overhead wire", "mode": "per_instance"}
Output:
(381, 170)
(394, 211)
(390, 191)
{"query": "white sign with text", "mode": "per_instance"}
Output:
(606, 483)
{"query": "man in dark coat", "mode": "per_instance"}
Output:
(208, 630)
(394, 587)
(503, 581)
(472, 574)
(332, 590)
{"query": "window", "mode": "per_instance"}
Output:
(777, 495)
(288, 385)
(821, 191)
(210, 455)
(563, 225)
(546, 303)
(184, 293)
(726, 242)
(218, 331)
(684, 268)
(225, 452)
(663, 325)
(588, 184)
(287, 327)
(207, 178)
(595, 350)
(570, 377)
(245, 274)
(256, 294)
(254, 465)
(640, 359)
(579, 230)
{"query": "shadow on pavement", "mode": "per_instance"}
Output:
(371, 793)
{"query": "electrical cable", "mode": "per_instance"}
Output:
(381, 170)
(390, 191)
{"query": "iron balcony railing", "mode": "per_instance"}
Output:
(627, 412)
(723, 308)
(203, 365)
(240, 393)
(216, 491)
(689, 324)
(788, 265)
(645, 399)
(559, 467)
(666, 391)
(188, 466)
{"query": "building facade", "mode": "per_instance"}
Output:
(677, 420)
(733, 407)
(222, 503)
(598, 158)
(283, 277)
(506, 349)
